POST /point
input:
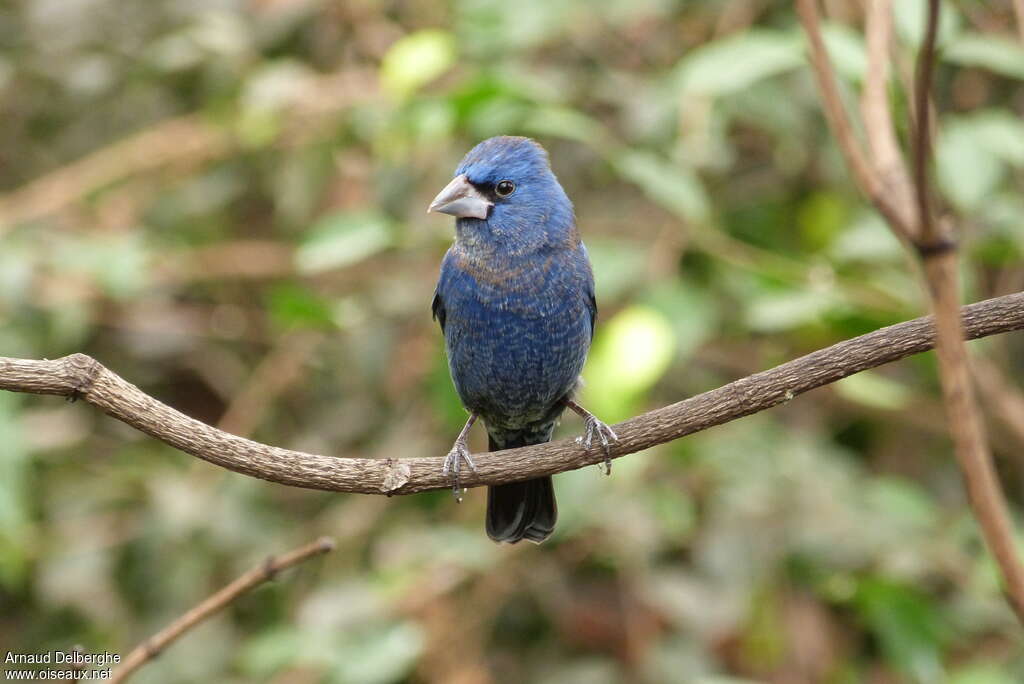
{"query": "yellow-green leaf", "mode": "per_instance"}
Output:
(417, 59)
(631, 353)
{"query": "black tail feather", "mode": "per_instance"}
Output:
(521, 510)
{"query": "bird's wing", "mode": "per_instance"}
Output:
(437, 309)
(592, 308)
(589, 289)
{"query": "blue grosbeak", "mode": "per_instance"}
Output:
(515, 301)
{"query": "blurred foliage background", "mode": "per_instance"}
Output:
(223, 201)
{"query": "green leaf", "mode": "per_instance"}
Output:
(867, 239)
(982, 673)
(690, 310)
(732, 64)
(379, 654)
(292, 305)
(676, 188)
(621, 264)
(443, 398)
(873, 389)
(258, 128)
(821, 217)
(1000, 132)
(119, 263)
(778, 311)
(901, 500)
(632, 351)
(910, 21)
(431, 119)
(967, 171)
(495, 27)
(906, 623)
(999, 55)
(274, 649)
(14, 495)
(276, 84)
(563, 122)
(846, 50)
(417, 59)
(342, 239)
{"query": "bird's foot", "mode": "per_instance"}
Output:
(453, 464)
(458, 454)
(596, 428)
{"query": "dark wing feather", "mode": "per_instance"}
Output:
(437, 309)
(592, 307)
(588, 285)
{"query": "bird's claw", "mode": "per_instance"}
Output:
(606, 436)
(453, 464)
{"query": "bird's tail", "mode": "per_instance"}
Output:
(521, 510)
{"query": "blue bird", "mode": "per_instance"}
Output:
(515, 301)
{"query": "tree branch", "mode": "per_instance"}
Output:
(880, 131)
(931, 240)
(80, 376)
(1018, 8)
(264, 572)
(938, 251)
(863, 173)
(929, 235)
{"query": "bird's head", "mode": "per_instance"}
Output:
(504, 195)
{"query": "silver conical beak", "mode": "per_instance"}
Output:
(459, 198)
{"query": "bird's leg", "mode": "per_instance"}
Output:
(595, 426)
(458, 454)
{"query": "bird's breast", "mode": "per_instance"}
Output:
(517, 334)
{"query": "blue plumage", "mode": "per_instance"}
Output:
(516, 303)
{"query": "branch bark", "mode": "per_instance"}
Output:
(1018, 8)
(264, 572)
(863, 173)
(80, 376)
(938, 251)
(879, 129)
(931, 240)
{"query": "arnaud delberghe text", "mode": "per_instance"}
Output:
(101, 659)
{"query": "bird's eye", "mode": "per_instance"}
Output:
(505, 188)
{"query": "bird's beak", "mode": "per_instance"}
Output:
(459, 198)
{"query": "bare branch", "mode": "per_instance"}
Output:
(874, 106)
(938, 252)
(82, 377)
(264, 572)
(928, 233)
(865, 176)
(1018, 7)
(967, 429)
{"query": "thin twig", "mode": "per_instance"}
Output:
(869, 182)
(874, 106)
(927, 229)
(263, 572)
(80, 376)
(1018, 7)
